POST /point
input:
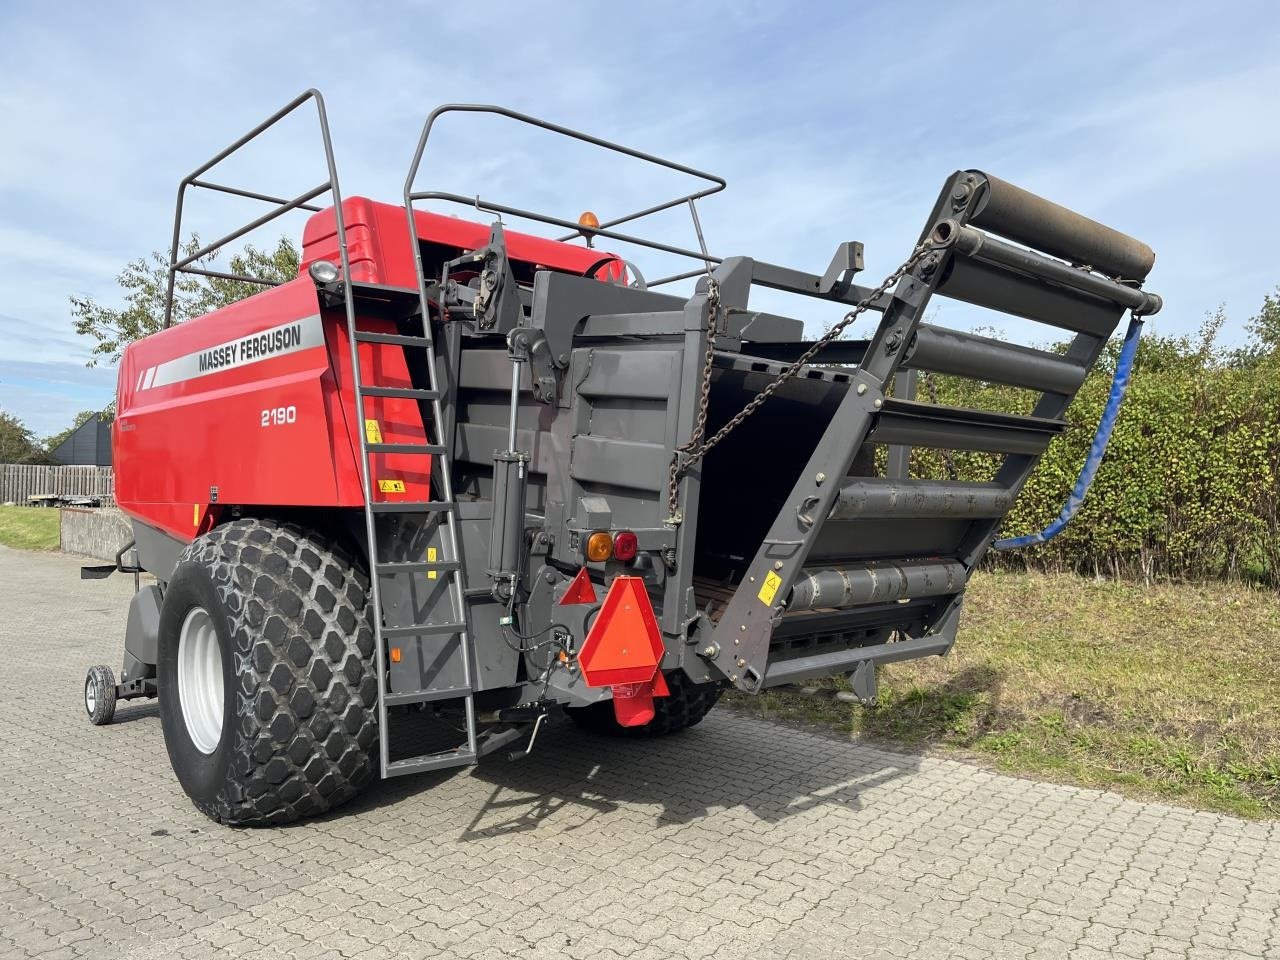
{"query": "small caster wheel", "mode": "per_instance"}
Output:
(100, 695)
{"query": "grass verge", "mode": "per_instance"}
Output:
(29, 528)
(1169, 692)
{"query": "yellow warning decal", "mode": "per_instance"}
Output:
(390, 486)
(431, 558)
(372, 432)
(195, 515)
(771, 584)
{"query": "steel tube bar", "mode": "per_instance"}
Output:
(974, 243)
(249, 194)
(878, 497)
(843, 587)
(981, 358)
(266, 218)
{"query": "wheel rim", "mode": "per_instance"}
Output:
(200, 679)
(90, 696)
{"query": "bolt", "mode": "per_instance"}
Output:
(551, 577)
(742, 628)
(733, 678)
(736, 641)
(741, 662)
(751, 579)
(777, 564)
(820, 479)
(877, 403)
(862, 388)
(710, 650)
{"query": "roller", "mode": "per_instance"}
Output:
(1038, 223)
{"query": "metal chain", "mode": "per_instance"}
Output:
(696, 448)
(692, 446)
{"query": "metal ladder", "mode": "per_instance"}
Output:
(450, 564)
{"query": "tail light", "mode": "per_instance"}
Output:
(625, 546)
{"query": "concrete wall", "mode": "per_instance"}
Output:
(94, 533)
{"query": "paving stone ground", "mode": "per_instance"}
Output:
(737, 839)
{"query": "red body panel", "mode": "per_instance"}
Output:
(252, 404)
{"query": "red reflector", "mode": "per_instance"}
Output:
(580, 590)
(624, 644)
(625, 545)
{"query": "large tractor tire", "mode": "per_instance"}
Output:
(686, 705)
(268, 691)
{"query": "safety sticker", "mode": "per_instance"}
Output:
(390, 486)
(431, 558)
(372, 432)
(195, 516)
(771, 584)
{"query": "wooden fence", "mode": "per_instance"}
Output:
(18, 481)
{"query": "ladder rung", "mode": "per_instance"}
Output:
(413, 566)
(434, 449)
(433, 761)
(426, 696)
(405, 393)
(411, 506)
(399, 339)
(424, 629)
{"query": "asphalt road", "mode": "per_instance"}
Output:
(737, 839)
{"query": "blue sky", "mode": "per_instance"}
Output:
(830, 121)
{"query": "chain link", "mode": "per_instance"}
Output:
(693, 450)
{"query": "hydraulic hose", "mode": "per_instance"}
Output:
(1119, 385)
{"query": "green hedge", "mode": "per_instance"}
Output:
(1190, 486)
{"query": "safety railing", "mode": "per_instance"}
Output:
(714, 185)
(281, 205)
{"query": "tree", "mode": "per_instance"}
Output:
(145, 282)
(17, 442)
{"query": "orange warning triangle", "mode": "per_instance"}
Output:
(580, 591)
(624, 644)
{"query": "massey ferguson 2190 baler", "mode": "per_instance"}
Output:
(454, 479)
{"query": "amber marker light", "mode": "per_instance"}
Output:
(599, 546)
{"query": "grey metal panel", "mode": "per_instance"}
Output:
(623, 463)
(158, 551)
(142, 632)
(983, 358)
(798, 668)
(882, 498)
(561, 303)
(477, 443)
(630, 373)
(483, 369)
(612, 326)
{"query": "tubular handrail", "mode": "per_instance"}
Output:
(715, 184)
(282, 206)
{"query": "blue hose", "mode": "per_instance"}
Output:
(1124, 366)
